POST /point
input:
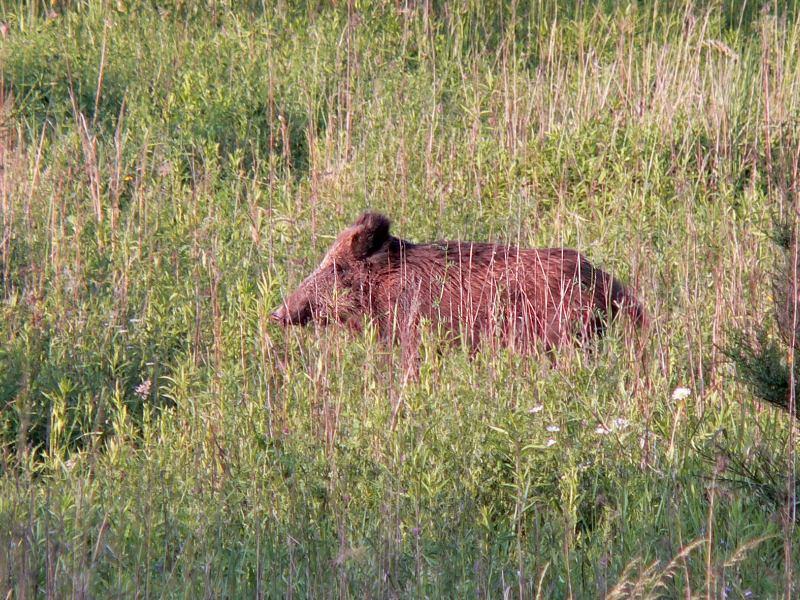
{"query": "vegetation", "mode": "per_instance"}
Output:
(169, 170)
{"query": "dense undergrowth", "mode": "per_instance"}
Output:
(169, 170)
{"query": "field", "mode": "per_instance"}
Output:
(168, 171)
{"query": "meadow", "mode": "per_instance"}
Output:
(168, 171)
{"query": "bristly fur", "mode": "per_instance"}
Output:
(520, 296)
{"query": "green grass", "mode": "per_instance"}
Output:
(169, 171)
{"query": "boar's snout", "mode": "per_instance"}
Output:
(286, 316)
(279, 316)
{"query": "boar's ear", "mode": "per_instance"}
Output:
(370, 233)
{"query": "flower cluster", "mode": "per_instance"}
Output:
(143, 389)
(681, 393)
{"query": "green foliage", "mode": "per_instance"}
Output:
(168, 170)
(766, 359)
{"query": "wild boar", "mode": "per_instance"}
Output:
(521, 298)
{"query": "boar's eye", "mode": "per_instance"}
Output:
(339, 268)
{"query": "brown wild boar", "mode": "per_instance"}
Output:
(516, 296)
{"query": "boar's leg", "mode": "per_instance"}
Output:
(406, 327)
(410, 359)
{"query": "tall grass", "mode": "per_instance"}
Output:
(169, 170)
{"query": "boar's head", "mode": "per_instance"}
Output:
(335, 291)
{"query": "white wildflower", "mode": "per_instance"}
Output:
(681, 393)
(619, 423)
(536, 409)
(602, 430)
(550, 442)
(553, 428)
